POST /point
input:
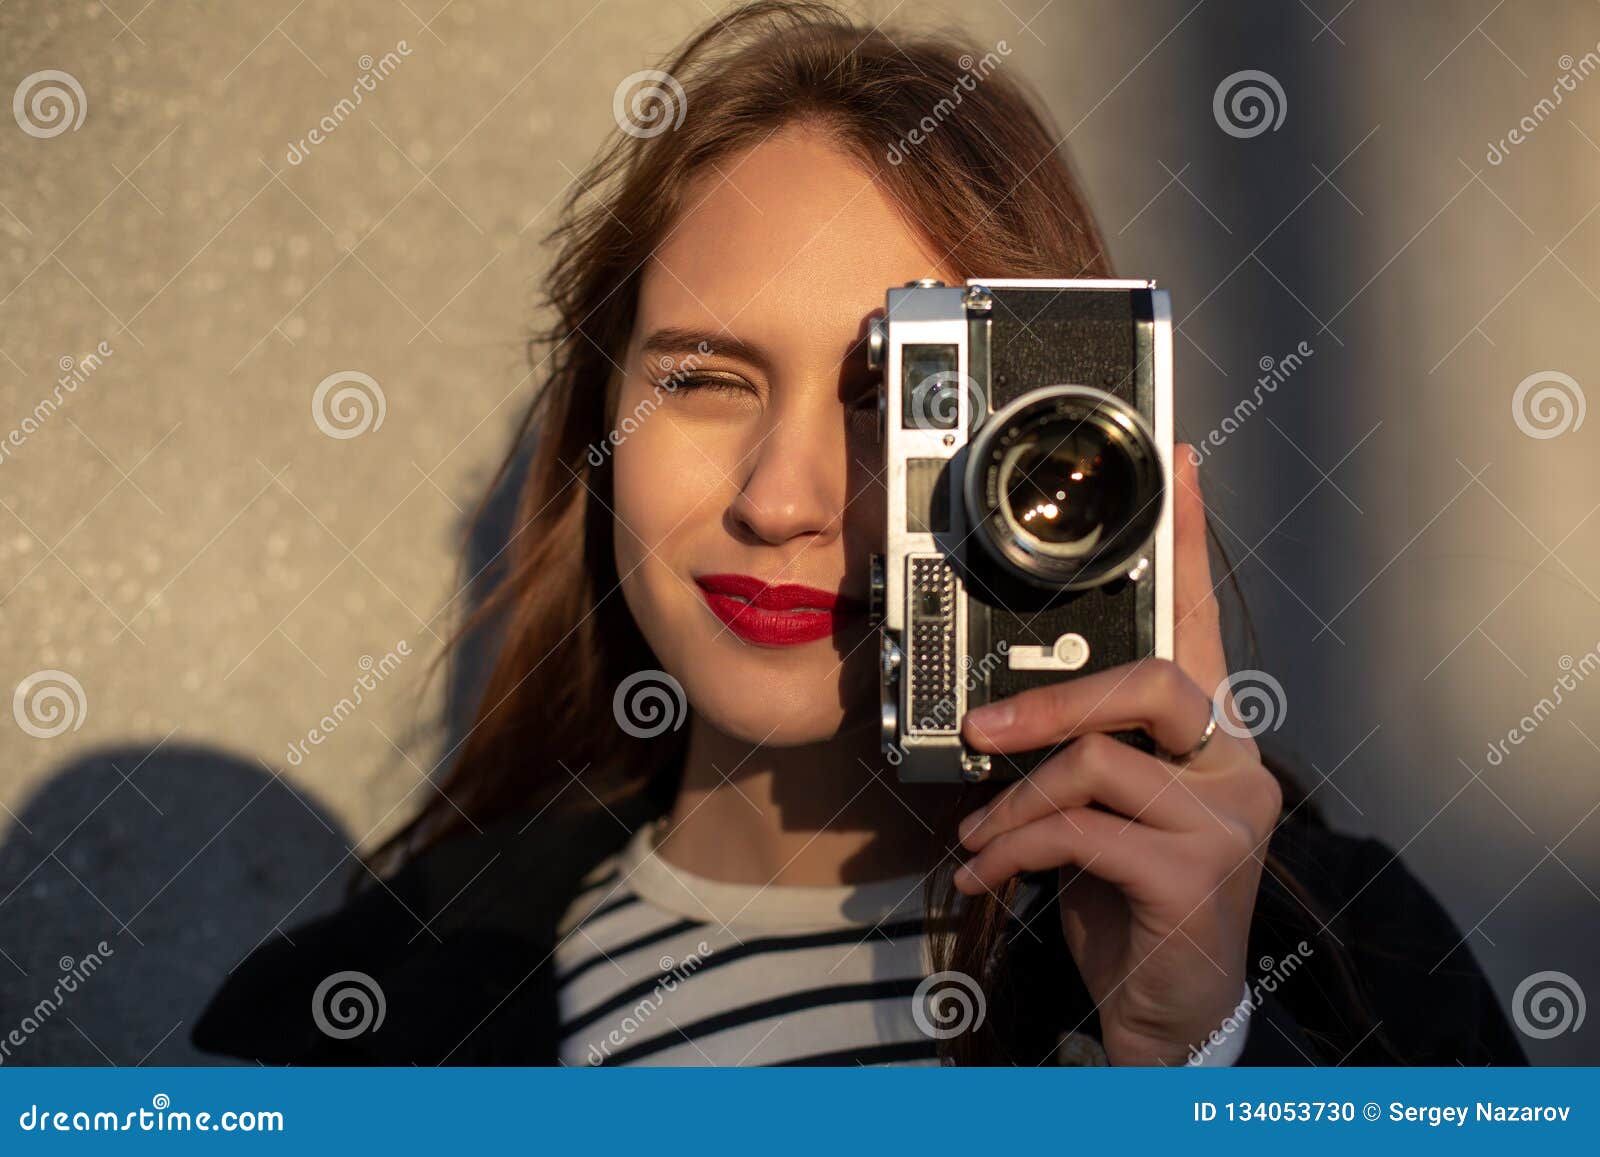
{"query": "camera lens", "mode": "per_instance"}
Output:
(1066, 488)
(1066, 485)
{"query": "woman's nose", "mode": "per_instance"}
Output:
(795, 483)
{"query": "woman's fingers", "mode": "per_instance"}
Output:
(1196, 617)
(1093, 769)
(1153, 694)
(1109, 848)
(1196, 614)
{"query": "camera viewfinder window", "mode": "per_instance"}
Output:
(930, 386)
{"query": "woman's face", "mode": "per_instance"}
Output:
(748, 456)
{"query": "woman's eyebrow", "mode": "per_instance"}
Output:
(707, 343)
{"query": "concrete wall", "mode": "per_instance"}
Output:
(181, 537)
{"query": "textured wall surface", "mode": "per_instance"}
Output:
(199, 558)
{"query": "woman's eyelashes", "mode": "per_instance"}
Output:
(859, 397)
(732, 384)
(707, 384)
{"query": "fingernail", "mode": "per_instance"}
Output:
(969, 825)
(991, 716)
(964, 877)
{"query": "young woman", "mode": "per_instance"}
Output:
(742, 880)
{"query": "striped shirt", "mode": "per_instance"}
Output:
(657, 966)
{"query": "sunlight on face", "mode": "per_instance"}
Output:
(752, 438)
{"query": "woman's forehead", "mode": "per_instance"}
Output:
(791, 234)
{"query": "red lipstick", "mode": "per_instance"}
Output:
(774, 615)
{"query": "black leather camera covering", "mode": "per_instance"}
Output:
(1043, 337)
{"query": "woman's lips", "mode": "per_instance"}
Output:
(774, 615)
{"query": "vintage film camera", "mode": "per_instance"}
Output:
(1027, 434)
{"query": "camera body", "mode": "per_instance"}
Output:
(1027, 434)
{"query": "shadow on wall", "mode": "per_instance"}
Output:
(132, 882)
(139, 876)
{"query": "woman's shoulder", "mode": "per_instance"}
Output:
(1362, 929)
(1350, 881)
(442, 963)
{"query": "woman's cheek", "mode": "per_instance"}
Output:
(668, 494)
(663, 484)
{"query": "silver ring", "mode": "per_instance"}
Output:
(1200, 744)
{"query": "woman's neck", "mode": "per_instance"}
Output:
(825, 813)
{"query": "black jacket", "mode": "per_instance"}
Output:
(461, 943)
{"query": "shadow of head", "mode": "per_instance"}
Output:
(132, 881)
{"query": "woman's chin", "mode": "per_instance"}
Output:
(778, 716)
(768, 728)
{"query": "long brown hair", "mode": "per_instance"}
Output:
(978, 171)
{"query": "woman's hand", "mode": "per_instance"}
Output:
(1157, 892)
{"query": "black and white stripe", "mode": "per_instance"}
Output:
(657, 967)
